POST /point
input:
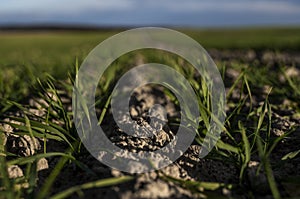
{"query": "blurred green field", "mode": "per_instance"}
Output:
(51, 52)
(25, 55)
(248, 38)
(54, 52)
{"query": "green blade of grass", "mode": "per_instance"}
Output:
(248, 90)
(268, 170)
(5, 181)
(104, 110)
(31, 175)
(246, 150)
(41, 127)
(28, 125)
(211, 186)
(290, 155)
(294, 87)
(29, 159)
(262, 112)
(236, 82)
(95, 184)
(45, 190)
(79, 101)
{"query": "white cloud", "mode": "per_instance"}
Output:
(279, 7)
(46, 7)
(151, 11)
(77, 6)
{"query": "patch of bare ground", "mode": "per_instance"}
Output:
(189, 166)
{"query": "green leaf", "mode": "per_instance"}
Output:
(247, 150)
(40, 127)
(29, 159)
(90, 185)
(290, 155)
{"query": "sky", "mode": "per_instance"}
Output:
(196, 13)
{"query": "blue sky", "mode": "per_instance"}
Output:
(199, 13)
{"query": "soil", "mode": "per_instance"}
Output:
(189, 166)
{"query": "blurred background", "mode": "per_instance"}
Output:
(39, 37)
(190, 13)
(47, 37)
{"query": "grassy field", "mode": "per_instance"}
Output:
(55, 52)
(260, 142)
(48, 51)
